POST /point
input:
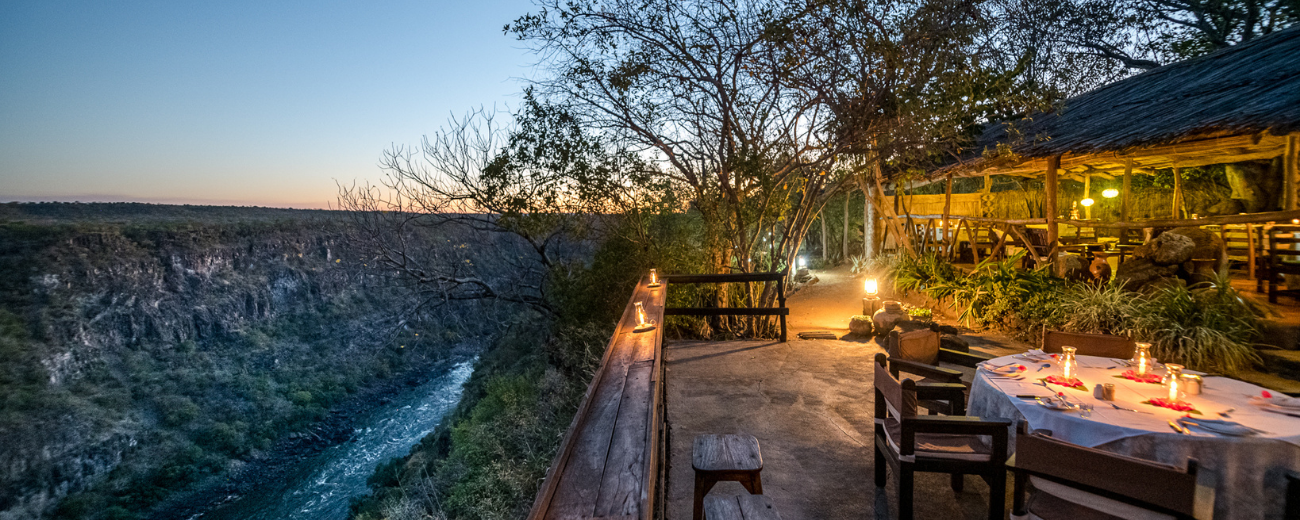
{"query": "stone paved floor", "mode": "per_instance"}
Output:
(810, 404)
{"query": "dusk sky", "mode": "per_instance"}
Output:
(236, 102)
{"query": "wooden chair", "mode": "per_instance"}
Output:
(741, 507)
(1283, 259)
(918, 353)
(1100, 345)
(1074, 482)
(958, 445)
(718, 458)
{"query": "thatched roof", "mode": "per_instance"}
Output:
(1245, 89)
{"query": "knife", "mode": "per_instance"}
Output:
(1177, 428)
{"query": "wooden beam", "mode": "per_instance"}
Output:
(1049, 197)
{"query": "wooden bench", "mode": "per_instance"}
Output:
(716, 458)
(743, 507)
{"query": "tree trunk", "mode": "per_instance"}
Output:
(846, 225)
(825, 251)
(868, 223)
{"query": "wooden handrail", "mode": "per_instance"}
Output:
(780, 311)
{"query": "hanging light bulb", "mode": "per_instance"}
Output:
(1087, 203)
(1110, 193)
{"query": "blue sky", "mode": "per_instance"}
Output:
(251, 103)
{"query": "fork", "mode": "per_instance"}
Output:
(1118, 407)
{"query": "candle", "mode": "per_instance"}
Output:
(871, 287)
(640, 315)
(1067, 362)
(1142, 358)
(1173, 381)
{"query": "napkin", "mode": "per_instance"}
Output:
(1005, 370)
(1267, 398)
(1218, 426)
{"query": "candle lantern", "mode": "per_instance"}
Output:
(1174, 381)
(872, 300)
(1068, 363)
(642, 324)
(1142, 360)
(803, 262)
(654, 278)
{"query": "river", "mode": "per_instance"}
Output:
(320, 487)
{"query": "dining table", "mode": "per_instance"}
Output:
(1249, 469)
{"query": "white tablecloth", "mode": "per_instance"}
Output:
(1249, 470)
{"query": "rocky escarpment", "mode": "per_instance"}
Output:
(137, 358)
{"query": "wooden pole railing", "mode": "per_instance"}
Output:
(781, 311)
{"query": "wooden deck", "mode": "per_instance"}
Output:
(608, 465)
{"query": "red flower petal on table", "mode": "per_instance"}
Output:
(1020, 367)
(1062, 394)
(1266, 394)
(1053, 356)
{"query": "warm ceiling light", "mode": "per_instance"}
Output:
(1110, 193)
(1087, 202)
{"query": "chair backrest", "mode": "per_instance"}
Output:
(892, 396)
(1084, 474)
(921, 346)
(1101, 345)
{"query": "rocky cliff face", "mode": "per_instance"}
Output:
(139, 357)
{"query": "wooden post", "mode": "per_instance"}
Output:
(1178, 193)
(1124, 200)
(947, 208)
(1049, 198)
(780, 300)
(1087, 194)
(846, 225)
(1291, 171)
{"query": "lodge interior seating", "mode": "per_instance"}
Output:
(1100, 345)
(955, 444)
(718, 458)
(1077, 483)
(740, 507)
(1283, 259)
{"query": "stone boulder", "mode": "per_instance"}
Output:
(1071, 267)
(860, 325)
(886, 318)
(951, 342)
(1171, 255)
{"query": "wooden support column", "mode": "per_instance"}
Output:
(1291, 171)
(947, 209)
(1128, 186)
(847, 194)
(1178, 193)
(1087, 194)
(1049, 198)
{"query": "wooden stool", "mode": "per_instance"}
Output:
(743, 507)
(725, 457)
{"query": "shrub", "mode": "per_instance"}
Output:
(1207, 326)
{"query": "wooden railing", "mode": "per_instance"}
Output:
(608, 464)
(780, 310)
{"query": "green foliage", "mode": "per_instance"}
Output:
(1207, 326)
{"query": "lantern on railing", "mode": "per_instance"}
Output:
(642, 324)
(1173, 381)
(654, 278)
(1142, 361)
(1068, 364)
